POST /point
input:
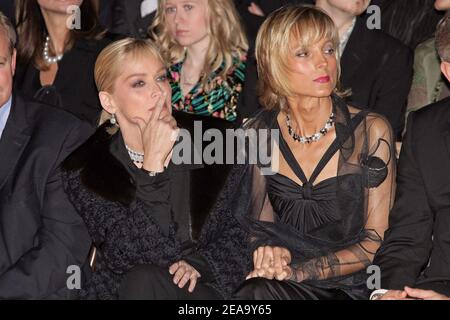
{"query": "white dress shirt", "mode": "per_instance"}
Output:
(4, 114)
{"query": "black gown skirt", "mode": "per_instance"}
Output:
(317, 219)
(264, 289)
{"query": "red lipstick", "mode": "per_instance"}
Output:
(324, 79)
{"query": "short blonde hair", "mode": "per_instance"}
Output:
(108, 66)
(443, 38)
(228, 39)
(6, 26)
(302, 23)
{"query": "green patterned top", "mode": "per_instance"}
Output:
(220, 102)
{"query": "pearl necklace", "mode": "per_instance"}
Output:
(47, 58)
(316, 136)
(135, 156)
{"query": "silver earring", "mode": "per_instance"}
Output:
(113, 119)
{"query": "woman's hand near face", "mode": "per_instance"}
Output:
(158, 136)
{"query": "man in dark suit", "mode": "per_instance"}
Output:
(254, 12)
(41, 235)
(132, 18)
(416, 248)
(376, 67)
(106, 13)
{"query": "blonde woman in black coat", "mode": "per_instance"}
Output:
(120, 180)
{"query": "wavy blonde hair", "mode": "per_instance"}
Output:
(289, 25)
(228, 39)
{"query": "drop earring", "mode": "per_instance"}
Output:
(113, 119)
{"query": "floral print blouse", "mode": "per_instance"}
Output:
(220, 102)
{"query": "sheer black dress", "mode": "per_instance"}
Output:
(332, 226)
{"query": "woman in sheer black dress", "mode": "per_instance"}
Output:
(306, 224)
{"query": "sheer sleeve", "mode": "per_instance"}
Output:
(223, 242)
(228, 239)
(378, 169)
(408, 242)
(261, 220)
(256, 209)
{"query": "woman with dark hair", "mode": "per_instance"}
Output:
(57, 48)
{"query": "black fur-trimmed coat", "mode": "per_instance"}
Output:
(126, 235)
(121, 226)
